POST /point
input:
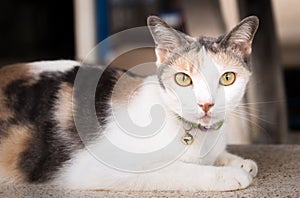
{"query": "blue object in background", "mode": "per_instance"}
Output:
(102, 23)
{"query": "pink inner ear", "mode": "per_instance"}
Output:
(245, 48)
(240, 38)
(161, 54)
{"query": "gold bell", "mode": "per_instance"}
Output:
(187, 139)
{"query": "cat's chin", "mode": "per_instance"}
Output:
(209, 122)
(206, 120)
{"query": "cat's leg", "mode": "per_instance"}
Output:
(228, 159)
(177, 176)
(186, 177)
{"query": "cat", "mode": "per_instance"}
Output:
(48, 135)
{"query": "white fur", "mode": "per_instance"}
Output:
(52, 66)
(88, 173)
(192, 169)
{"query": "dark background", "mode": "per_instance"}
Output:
(36, 29)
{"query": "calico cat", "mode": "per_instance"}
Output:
(47, 136)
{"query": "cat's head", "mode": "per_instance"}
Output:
(203, 78)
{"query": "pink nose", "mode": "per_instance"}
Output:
(206, 107)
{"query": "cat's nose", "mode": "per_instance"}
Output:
(206, 106)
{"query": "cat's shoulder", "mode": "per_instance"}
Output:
(52, 66)
(38, 67)
(25, 75)
(60, 71)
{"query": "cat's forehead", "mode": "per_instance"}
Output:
(199, 58)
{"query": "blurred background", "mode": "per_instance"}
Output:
(50, 29)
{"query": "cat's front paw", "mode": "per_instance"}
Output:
(232, 178)
(247, 164)
(250, 166)
(228, 159)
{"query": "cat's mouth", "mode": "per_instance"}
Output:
(206, 120)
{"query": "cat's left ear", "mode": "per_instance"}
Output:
(240, 37)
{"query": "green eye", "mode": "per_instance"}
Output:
(183, 79)
(227, 78)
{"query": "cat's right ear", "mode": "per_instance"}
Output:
(165, 37)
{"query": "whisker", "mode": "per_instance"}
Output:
(254, 84)
(262, 102)
(251, 108)
(250, 121)
(253, 115)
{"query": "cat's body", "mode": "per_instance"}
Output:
(42, 138)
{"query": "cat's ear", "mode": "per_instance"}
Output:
(166, 39)
(241, 36)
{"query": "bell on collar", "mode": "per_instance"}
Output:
(187, 139)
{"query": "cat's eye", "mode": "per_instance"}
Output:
(227, 78)
(183, 79)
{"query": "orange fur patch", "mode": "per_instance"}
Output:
(11, 147)
(125, 88)
(11, 73)
(161, 55)
(63, 114)
(184, 64)
(64, 106)
(5, 113)
(225, 59)
(229, 62)
(8, 74)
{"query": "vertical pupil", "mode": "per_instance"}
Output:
(183, 77)
(227, 76)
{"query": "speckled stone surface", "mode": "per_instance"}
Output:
(279, 176)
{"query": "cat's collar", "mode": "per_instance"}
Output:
(188, 139)
(214, 127)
